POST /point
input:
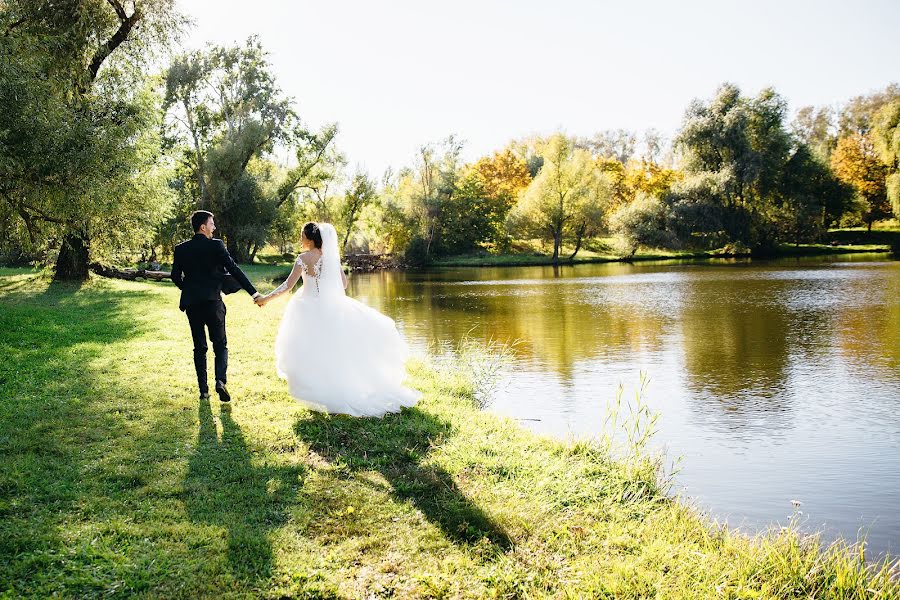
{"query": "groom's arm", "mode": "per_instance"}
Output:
(176, 271)
(229, 264)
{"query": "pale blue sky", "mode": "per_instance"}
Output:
(399, 74)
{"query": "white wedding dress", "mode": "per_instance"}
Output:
(337, 354)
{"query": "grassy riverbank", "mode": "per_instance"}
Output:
(844, 241)
(117, 482)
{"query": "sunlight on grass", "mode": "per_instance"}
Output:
(117, 481)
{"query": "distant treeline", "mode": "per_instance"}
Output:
(103, 160)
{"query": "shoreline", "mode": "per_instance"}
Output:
(522, 260)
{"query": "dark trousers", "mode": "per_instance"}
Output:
(208, 315)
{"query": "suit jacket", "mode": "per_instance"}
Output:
(198, 269)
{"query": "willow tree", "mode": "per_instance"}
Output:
(739, 145)
(78, 123)
(226, 114)
(566, 200)
(887, 142)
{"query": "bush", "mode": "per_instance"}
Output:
(416, 254)
(643, 222)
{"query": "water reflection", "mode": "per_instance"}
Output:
(735, 344)
(776, 380)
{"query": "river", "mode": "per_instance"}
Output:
(776, 381)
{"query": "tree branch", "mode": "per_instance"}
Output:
(37, 212)
(290, 189)
(118, 8)
(126, 24)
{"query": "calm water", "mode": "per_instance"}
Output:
(776, 381)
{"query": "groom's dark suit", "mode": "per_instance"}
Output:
(198, 269)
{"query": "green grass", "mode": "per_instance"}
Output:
(117, 482)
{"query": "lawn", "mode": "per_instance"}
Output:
(118, 482)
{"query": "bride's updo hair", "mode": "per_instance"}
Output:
(312, 233)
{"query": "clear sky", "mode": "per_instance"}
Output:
(398, 74)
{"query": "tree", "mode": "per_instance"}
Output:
(361, 193)
(855, 162)
(398, 218)
(228, 114)
(617, 144)
(647, 177)
(500, 179)
(643, 222)
(815, 127)
(858, 114)
(467, 217)
(78, 120)
(568, 197)
(887, 143)
(436, 175)
(743, 142)
(701, 213)
(811, 197)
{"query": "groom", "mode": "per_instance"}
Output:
(198, 268)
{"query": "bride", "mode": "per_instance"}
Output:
(337, 354)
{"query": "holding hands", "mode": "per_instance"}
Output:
(261, 300)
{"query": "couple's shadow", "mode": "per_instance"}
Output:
(224, 488)
(398, 446)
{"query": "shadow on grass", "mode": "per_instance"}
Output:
(398, 446)
(224, 488)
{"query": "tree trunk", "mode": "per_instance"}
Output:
(430, 238)
(130, 274)
(557, 242)
(237, 251)
(72, 262)
(578, 239)
(201, 170)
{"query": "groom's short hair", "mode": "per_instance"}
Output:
(199, 217)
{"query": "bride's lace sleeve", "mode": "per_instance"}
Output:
(291, 281)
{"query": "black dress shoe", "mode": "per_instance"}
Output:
(204, 395)
(222, 391)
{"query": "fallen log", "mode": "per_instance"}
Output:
(130, 274)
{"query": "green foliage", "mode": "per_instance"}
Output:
(701, 215)
(887, 143)
(749, 182)
(567, 199)
(226, 116)
(468, 218)
(643, 222)
(362, 193)
(417, 252)
(80, 154)
(815, 128)
(810, 198)
(858, 115)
